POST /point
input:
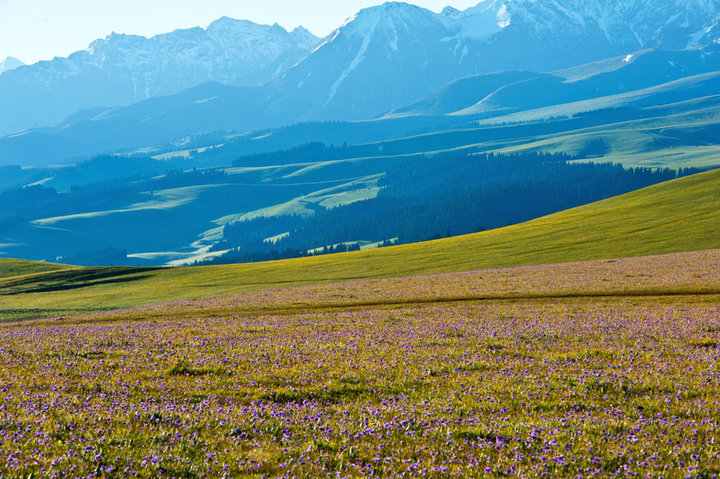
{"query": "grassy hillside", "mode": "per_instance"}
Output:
(677, 216)
(17, 267)
(677, 135)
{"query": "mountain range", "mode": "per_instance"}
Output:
(404, 52)
(647, 77)
(383, 58)
(123, 69)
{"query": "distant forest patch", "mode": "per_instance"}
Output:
(437, 196)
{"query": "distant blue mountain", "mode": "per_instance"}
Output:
(10, 64)
(395, 54)
(212, 106)
(518, 91)
(124, 69)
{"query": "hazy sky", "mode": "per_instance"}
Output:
(33, 30)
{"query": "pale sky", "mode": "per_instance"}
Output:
(33, 30)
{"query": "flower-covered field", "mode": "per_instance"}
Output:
(589, 369)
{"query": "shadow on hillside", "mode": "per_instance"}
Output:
(74, 279)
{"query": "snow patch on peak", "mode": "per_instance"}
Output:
(503, 17)
(485, 19)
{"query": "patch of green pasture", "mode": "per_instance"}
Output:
(645, 142)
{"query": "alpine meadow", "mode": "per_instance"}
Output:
(479, 241)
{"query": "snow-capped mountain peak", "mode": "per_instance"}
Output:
(485, 19)
(390, 14)
(10, 64)
(121, 69)
(381, 58)
(637, 23)
(393, 52)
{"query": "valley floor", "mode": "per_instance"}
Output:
(581, 369)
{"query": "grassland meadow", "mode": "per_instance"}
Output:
(599, 369)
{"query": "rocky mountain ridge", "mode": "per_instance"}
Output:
(123, 69)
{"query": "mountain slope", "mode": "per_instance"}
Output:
(205, 108)
(462, 93)
(17, 267)
(617, 24)
(654, 220)
(122, 69)
(404, 52)
(517, 91)
(9, 64)
(218, 107)
(384, 55)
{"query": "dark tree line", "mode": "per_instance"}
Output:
(307, 153)
(23, 204)
(238, 256)
(179, 179)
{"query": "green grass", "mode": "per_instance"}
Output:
(250, 387)
(17, 267)
(681, 215)
(653, 141)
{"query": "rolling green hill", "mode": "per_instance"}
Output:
(19, 267)
(681, 215)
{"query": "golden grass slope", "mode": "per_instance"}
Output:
(681, 215)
